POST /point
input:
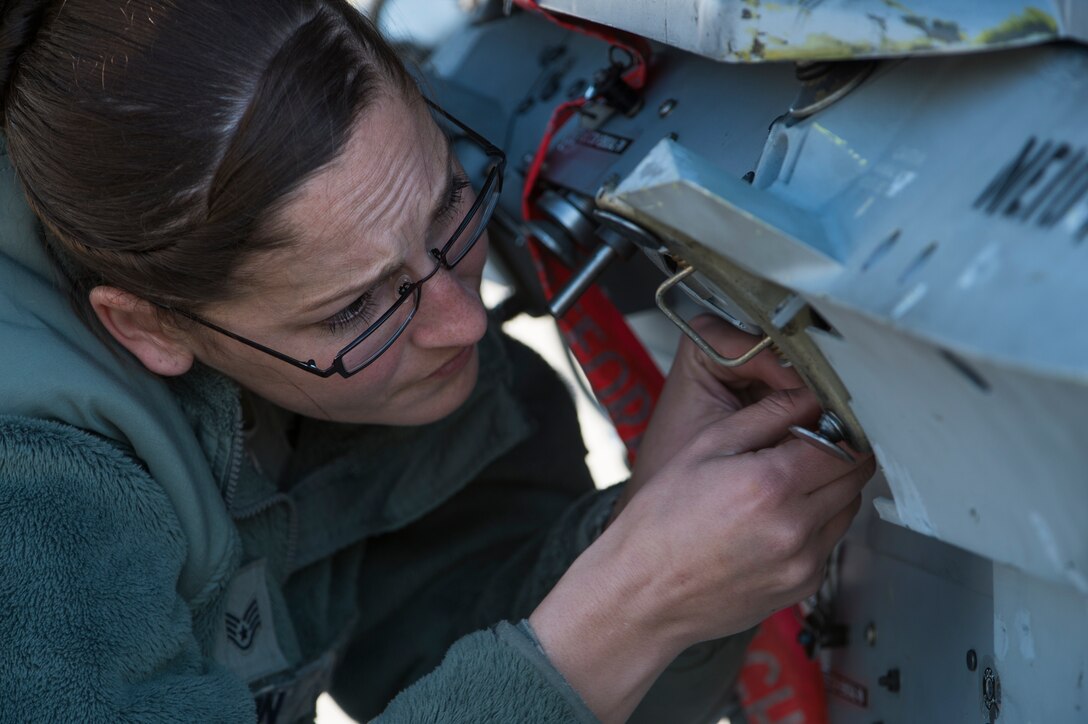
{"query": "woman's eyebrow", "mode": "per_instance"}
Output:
(387, 269)
(443, 201)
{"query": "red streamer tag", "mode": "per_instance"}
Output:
(779, 684)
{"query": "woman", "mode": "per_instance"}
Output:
(282, 452)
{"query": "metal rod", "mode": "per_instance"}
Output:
(581, 281)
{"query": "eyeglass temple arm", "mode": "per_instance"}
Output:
(310, 366)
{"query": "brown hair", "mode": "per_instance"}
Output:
(154, 140)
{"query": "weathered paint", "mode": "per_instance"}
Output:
(1031, 23)
(752, 31)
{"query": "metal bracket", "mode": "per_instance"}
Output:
(697, 338)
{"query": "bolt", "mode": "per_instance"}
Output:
(830, 427)
(972, 660)
(829, 431)
(890, 680)
(991, 692)
(870, 634)
(666, 108)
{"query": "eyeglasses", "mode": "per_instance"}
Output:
(400, 296)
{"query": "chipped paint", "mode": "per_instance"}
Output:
(1026, 25)
(908, 499)
(896, 5)
(752, 31)
(942, 31)
(825, 46)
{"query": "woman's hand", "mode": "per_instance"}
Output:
(731, 520)
(699, 392)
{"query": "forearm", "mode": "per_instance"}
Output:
(600, 628)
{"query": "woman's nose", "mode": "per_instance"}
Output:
(451, 313)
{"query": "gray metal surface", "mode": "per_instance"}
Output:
(916, 606)
(936, 218)
(961, 341)
(752, 31)
(964, 297)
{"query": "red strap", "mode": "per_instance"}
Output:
(778, 683)
(624, 378)
(560, 116)
(621, 373)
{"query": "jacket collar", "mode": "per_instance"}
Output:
(55, 368)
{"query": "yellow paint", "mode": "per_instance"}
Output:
(1031, 22)
(841, 143)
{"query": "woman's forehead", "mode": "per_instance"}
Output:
(365, 207)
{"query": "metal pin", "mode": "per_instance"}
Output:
(695, 337)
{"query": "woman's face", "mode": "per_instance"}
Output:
(381, 205)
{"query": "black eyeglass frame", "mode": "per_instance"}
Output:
(489, 193)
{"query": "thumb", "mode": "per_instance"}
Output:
(764, 423)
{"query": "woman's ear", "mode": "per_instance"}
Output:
(134, 323)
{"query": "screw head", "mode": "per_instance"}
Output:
(972, 660)
(890, 681)
(666, 108)
(991, 692)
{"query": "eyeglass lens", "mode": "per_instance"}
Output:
(399, 297)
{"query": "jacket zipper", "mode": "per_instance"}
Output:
(234, 472)
(234, 464)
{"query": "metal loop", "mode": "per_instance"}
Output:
(687, 329)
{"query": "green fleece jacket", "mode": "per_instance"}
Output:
(153, 568)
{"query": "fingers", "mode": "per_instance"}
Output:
(728, 341)
(825, 502)
(764, 423)
(835, 528)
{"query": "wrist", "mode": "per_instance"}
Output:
(602, 629)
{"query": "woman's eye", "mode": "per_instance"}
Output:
(457, 189)
(353, 315)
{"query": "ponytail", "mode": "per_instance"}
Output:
(18, 27)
